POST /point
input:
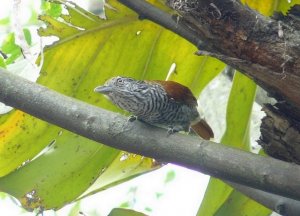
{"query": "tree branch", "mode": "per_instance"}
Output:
(279, 204)
(114, 130)
(148, 11)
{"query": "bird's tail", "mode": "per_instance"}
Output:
(203, 129)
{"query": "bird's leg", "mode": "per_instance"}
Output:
(171, 130)
(177, 128)
(132, 118)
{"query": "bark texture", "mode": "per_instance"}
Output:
(265, 49)
(280, 138)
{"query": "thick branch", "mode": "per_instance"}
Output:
(114, 130)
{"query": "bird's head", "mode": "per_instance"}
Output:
(123, 91)
(118, 86)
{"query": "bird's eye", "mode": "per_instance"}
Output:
(120, 81)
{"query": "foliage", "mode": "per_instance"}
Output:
(46, 167)
(219, 197)
(89, 51)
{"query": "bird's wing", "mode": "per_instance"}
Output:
(177, 91)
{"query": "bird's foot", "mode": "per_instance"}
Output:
(171, 131)
(132, 118)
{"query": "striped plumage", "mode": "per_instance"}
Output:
(164, 103)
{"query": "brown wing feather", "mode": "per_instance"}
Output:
(178, 92)
(203, 129)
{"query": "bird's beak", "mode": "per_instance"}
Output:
(103, 89)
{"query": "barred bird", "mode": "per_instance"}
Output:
(165, 103)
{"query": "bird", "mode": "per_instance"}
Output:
(157, 102)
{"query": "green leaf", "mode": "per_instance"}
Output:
(267, 7)
(158, 195)
(54, 176)
(52, 9)
(10, 48)
(3, 195)
(5, 21)
(120, 170)
(284, 6)
(170, 176)
(2, 62)
(148, 209)
(124, 212)
(239, 204)
(125, 204)
(27, 36)
(75, 210)
(239, 109)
